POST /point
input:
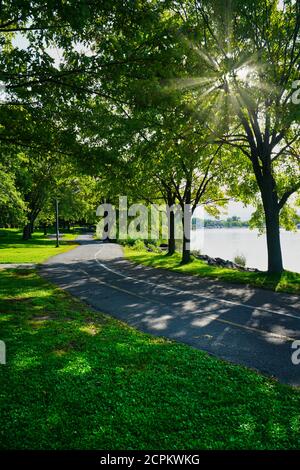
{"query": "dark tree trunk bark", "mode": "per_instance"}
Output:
(264, 176)
(27, 231)
(186, 245)
(171, 239)
(272, 211)
(29, 227)
(186, 224)
(275, 263)
(171, 223)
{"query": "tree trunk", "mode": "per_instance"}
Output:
(272, 211)
(29, 227)
(275, 263)
(105, 235)
(171, 239)
(171, 228)
(186, 223)
(27, 231)
(268, 189)
(186, 245)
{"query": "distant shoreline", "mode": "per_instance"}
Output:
(243, 228)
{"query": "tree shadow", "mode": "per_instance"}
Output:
(243, 325)
(84, 380)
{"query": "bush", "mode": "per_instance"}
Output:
(153, 248)
(138, 245)
(127, 242)
(152, 243)
(240, 259)
(196, 253)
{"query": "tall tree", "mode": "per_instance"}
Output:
(253, 51)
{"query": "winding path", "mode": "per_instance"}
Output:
(241, 324)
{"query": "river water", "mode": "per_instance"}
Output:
(227, 243)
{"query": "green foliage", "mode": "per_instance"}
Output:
(138, 245)
(240, 259)
(12, 206)
(288, 218)
(78, 198)
(188, 102)
(230, 222)
(153, 248)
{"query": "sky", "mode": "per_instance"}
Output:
(238, 209)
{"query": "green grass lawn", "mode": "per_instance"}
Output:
(15, 250)
(287, 282)
(76, 379)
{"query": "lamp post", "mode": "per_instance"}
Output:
(57, 224)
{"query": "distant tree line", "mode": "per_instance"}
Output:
(230, 222)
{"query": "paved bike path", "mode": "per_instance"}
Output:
(241, 324)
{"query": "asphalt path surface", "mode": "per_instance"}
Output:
(241, 324)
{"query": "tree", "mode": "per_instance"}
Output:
(173, 158)
(197, 177)
(12, 206)
(253, 50)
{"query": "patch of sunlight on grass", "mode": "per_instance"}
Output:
(277, 431)
(37, 323)
(26, 361)
(123, 389)
(77, 366)
(4, 317)
(90, 329)
(295, 424)
(60, 352)
(249, 426)
(36, 250)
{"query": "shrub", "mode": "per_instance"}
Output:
(127, 242)
(196, 253)
(151, 243)
(240, 259)
(154, 248)
(138, 245)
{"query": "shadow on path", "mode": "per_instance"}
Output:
(244, 325)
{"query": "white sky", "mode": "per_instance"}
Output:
(238, 209)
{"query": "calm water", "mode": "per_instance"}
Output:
(227, 243)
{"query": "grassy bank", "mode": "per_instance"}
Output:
(76, 379)
(287, 282)
(36, 250)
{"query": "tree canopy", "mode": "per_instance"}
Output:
(185, 102)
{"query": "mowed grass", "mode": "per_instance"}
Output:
(76, 379)
(15, 250)
(287, 282)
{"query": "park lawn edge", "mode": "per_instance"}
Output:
(79, 379)
(42, 259)
(14, 250)
(288, 282)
